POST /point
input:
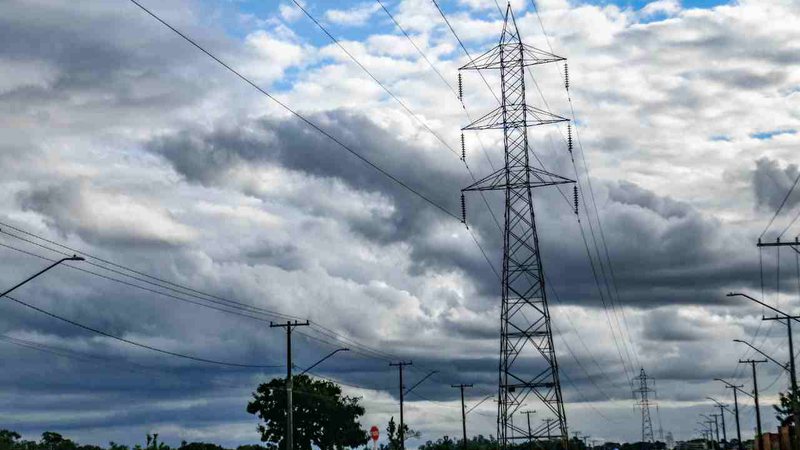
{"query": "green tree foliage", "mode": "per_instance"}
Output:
(8, 439)
(200, 446)
(393, 435)
(784, 409)
(11, 440)
(323, 417)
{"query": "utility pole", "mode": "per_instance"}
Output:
(736, 409)
(530, 435)
(548, 422)
(753, 363)
(792, 367)
(463, 411)
(289, 408)
(716, 425)
(722, 409)
(788, 318)
(525, 329)
(713, 425)
(402, 431)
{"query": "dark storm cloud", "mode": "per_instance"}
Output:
(66, 208)
(771, 183)
(668, 325)
(683, 259)
(105, 66)
(207, 157)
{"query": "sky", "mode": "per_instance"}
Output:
(121, 140)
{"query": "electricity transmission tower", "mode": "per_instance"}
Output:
(644, 403)
(528, 365)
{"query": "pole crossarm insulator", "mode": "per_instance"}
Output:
(513, 116)
(492, 59)
(518, 179)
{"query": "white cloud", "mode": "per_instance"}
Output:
(290, 12)
(356, 16)
(290, 232)
(666, 7)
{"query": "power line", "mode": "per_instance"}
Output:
(138, 344)
(375, 79)
(594, 203)
(796, 216)
(780, 207)
(245, 311)
(300, 116)
(441, 77)
(99, 360)
(303, 118)
(116, 280)
(396, 99)
(463, 47)
(170, 285)
(622, 359)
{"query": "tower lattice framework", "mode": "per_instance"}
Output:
(528, 365)
(644, 392)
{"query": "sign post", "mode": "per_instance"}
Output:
(374, 433)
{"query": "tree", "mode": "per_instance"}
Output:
(199, 446)
(784, 410)
(8, 439)
(393, 435)
(54, 441)
(323, 417)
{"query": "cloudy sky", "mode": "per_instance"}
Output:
(120, 139)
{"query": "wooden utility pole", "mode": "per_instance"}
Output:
(463, 412)
(402, 431)
(289, 408)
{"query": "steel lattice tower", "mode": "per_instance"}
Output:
(644, 403)
(528, 363)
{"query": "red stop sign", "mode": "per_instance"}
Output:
(374, 433)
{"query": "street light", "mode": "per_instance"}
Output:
(783, 366)
(739, 294)
(792, 368)
(722, 408)
(323, 359)
(70, 258)
(735, 388)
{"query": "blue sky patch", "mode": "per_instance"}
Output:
(770, 134)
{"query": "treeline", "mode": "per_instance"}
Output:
(490, 443)
(11, 440)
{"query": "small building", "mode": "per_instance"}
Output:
(769, 441)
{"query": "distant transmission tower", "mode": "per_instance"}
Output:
(644, 403)
(528, 365)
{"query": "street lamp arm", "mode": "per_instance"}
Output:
(733, 386)
(783, 366)
(70, 258)
(721, 405)
(739, 294)
(323, 359)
